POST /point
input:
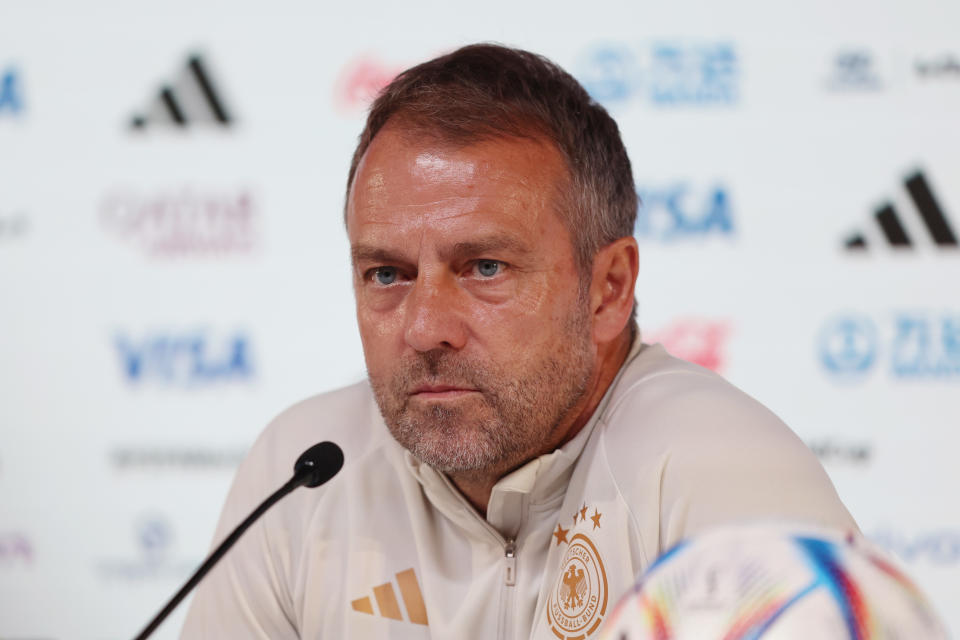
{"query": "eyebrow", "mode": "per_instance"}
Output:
(488, 244)
(466, 249)
(366, 253)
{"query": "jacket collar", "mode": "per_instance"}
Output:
(542, 480)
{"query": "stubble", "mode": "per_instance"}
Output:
(513, 417)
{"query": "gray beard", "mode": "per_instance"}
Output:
(509, 422)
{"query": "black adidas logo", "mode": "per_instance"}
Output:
(192, 99)
(892, 227)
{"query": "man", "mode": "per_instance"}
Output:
(518, 455)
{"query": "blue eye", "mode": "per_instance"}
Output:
(488, 268)
(385, 275)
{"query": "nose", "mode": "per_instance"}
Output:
(433, 316)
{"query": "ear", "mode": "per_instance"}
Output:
(612, 288)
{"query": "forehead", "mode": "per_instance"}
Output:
(403, 180)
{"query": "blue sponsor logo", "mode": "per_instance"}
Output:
(926, 346)
(940, 548)
(663, 74)
(190, 359)
(11, 92)
(155, 557)
(681, 211)
(155, 538)
(909, 346)
(848, 345)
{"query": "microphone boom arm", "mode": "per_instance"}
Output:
(308, 471)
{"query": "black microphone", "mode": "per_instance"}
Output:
(315, 466)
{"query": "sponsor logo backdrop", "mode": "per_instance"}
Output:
(173, 267)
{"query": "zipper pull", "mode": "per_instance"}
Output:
(510, 555)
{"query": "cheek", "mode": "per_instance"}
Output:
(379, 330)
(550, 298)
(376, 299)
(533, 318)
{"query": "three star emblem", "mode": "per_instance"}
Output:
(561, 534)
(579, 516)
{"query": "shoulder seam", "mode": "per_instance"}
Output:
(616, 485)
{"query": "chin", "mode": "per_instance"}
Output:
(451, 450)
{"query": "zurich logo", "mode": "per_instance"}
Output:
(607, 74)
(848, 345)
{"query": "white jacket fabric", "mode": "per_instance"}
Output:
(390, 549)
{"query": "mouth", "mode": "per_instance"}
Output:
(441, 392)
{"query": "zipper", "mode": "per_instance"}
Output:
(509, 545)
(510, 556)
(468, 508)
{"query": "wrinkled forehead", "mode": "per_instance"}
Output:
(403, 173)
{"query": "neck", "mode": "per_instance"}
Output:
(477, 485)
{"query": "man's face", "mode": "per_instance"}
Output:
(476, 336)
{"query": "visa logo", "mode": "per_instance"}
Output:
(11, 92)
(679, 211)
(189, 359)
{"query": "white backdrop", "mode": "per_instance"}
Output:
(165, 290)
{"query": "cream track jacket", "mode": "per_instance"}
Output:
(390, 549)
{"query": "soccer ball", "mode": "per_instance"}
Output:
(763, 582)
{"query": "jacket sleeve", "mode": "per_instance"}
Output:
(717, 457)
(246, 596)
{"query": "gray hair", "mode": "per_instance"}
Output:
(486, 91)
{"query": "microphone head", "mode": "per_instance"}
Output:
(319, 463)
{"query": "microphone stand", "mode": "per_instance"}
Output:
(318, 464)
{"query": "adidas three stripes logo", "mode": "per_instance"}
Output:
(891, 225)
(386, 599)
(192, 99)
